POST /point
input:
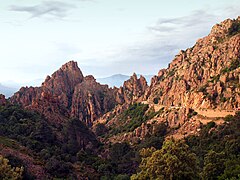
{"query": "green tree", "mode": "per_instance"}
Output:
(8, 172)
(232, 170)
(173, 161)
(213, 165)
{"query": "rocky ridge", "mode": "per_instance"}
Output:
(204, 76)
(200, 82)
(201, 78)
(132, 89)
(67, 93)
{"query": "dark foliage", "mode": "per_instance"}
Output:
(234, 29)
(217, 149)
(34, 132)
(133, 117)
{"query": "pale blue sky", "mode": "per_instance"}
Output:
(105, 37)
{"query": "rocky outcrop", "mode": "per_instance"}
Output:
(2, 100)
(62, 83)
(132, 89)
(204, 76)
(91, 100)
(67, 94)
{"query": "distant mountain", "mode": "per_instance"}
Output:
(114, 80)
(118, 79)
(7, 91)
(8, 88)
(17, 85)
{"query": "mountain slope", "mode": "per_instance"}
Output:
(44, 149)
(67, 93)
(204, 76)
(200, 85)
(55, 100)
(202, 82)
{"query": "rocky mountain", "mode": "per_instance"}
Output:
(196, 98)
(201, 80)
(67, 93)
(204, 76)
(201, 84)
(132, 89)
(114, 80)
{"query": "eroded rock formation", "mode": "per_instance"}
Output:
(2, 100)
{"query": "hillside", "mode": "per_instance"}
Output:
(200, 85)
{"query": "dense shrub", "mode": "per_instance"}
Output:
(234, 29)
(217, 149)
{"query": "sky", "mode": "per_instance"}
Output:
(105, 37)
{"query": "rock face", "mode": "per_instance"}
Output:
(2, 100)
(67, 94)
(204, 76)
(201, 84)
(90, 100)
(132, 89)
(62, 83)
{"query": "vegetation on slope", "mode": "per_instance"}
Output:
(133, 117)
(40, 139)
(214, 154)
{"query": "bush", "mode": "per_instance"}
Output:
(210, 125)
(173, 161)
(58, 168)
(228, 118)
(122, 177)
(218, 151)
(202, 88)
(155, 100)
(234, 29)
(191, 113)
(234, 64)
(133, 117)
(9, 172)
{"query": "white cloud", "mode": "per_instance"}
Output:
(51, 8)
